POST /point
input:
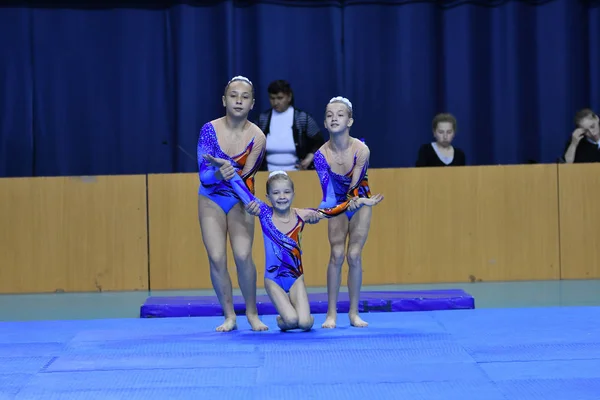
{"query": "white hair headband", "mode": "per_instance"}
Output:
(272, 174)
(342, 100)
(240, 78)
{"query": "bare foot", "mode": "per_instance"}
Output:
(227, 326)
(356, 321)
(329, 322)
(256, 323)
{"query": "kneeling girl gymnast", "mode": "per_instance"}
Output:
(282, 228)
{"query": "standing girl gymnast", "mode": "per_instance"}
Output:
(341, 164)
(220, 212)
(282, 228)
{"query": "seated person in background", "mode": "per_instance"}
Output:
(441, 153)
(584, 144)
(292, 135)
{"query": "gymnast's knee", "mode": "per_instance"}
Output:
(290, 320)
(306, 323)
(354, 256)
(217, 261)
(243, 258)
(337, 255)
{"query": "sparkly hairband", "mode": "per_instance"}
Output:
(240, 78)
(272, 174)
(342, 100)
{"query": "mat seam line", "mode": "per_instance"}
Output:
(26, 385)
(63, 371)
(466, 350)
(537, 361)
(492, 381)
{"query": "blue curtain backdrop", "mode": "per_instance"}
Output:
(89, 91)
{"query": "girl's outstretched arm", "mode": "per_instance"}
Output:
(314, 215)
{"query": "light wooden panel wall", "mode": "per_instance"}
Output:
(435, 225)
(177, 256)
(493, 223)
(579, 194)
(464, 224)
(73, 234)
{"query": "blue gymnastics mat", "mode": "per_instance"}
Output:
(487, 354)
(208, 306)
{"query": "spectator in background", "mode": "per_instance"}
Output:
(293, 136)
(584, 144)
(441, 153)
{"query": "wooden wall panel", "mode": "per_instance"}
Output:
(73, 234)
(464, 224)
(579, 195)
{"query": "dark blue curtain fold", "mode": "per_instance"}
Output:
(201, 65)
(98, 90)
(593, 54)
(16, 94)
(392, 77)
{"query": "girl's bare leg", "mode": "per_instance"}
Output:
(337, 231)
(287, 318)
(359, 230)
(241, 236)
(213, 225)
(299, 299)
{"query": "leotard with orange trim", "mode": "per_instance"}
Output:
(220, 191)
(283, 252)
(336, 188)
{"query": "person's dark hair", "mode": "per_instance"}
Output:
(281, 86)
(583, 114)
(443, 118)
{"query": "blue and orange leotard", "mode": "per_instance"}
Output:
(336, 188)
(283, 253)
(220, 191)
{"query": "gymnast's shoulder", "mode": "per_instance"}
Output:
(360, 145)
(362, 150)
(257, 133)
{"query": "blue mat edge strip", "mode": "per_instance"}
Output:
(456, 299)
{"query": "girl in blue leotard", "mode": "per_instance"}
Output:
(220, 212)
(342, 166)
(282, 228)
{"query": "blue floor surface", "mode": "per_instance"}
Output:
(488, 354)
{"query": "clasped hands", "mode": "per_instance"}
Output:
(225, 171)
(354, 204)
